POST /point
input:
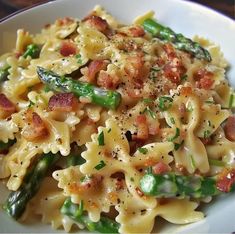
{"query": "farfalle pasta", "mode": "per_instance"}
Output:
(107, 127)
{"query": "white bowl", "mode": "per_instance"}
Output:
(182, 16)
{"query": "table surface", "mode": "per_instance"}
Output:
(226, 7)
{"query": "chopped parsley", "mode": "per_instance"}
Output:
(189, 107)
(178, 145)
(101, 138)
(100, 165)
(165, 103)
(193, 164)
(149, 170)
(109, 130)
(172, 120)
(231, 99)
(147, 100)
(132, 179)
(151, 113)
(143, 150)
(47, 89)
(184, 77)
(31, 103)
(218, 163)
(79, 58)
(206, 134)
(177, 134)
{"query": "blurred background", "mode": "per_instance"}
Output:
(226, 7)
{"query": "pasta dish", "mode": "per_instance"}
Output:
(106, 126)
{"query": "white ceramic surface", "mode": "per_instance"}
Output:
(182, 16)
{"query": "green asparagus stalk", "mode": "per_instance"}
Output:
(32, 50)
(17, 200)
(75, 212)
(4, 73)
(4, 146)
(179, 41)
(172, 185)
(106, 98)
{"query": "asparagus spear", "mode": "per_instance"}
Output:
(17, 200)
(4, 73)
(32, 50)
(75, 212)
(107, 98)
(172, 185)
(4, 146)
(179, 41)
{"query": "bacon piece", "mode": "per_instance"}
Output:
(94, 67)
(137, 31)
(170, 51)
(226, 179)
(107, 81)
(97, 22)
(134, 68)
(92, 183)
(36, 128)
(64, 102)
(6, 106)
(174, 70)
(203, 79)
(68, 48)
(160, 168)
(185, 91)
(229, 128)
(142, 128)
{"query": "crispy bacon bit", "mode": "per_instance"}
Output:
(6, 106)
(142, 128)
(160, 168)
(98, 23)
(185, 91)
(139, 192)
(107, 81)
(134, 68)
(64, 21)
(170, 51)
(94, 67)
(229, 128)
(174, 70)
(63, 102)
(226, 179)
(91, 183)
(68, 48)
(36, 128)
(150, 161)
(137, 31)
(203, 79)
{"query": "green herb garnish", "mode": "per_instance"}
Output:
(101, 138)
(100, 165)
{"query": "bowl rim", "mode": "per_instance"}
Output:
(11, 15)
(8, 17)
